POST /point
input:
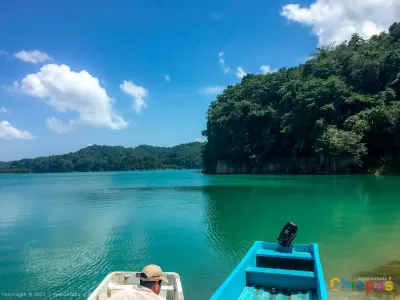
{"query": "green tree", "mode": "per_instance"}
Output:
(336, 113)
(112, 158)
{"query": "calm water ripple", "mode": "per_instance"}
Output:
(66, 232)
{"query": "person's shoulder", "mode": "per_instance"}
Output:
(122, 295)
(154, 297)
(147, 294)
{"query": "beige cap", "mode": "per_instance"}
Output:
(152, 273)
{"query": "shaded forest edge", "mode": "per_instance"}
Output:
(338, 113)
(112, 158)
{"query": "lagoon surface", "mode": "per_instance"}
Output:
(63, 233)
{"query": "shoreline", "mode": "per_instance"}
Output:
(199, 171)
(22, 173)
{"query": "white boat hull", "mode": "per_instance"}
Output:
(116, 281)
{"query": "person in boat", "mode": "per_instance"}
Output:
(150, 286)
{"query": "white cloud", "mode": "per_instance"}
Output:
(337, 20)
(167, 78)
(33, 56)
(9, 132)
(267, 69)
(60, 126)
(212, 90)
(240, 73)
(222, 63)
(69, 91)
(138, 93)
(3, 109)
(201, 139)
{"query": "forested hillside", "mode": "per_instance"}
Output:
(337, 113)
(4, 164)
(113, 158)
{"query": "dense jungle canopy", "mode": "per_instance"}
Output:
(339, 112)
(112, 158)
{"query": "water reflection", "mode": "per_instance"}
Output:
(354, 219)
(65, 232)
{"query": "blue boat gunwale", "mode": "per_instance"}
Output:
(236, 281)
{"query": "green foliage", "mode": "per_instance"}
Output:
(4, 164)
(340, 148)
(337, 113)
(113, 158)
(17, 171)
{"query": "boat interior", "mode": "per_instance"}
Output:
(116, 281)
(267, 272)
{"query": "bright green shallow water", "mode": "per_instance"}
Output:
(65, 232)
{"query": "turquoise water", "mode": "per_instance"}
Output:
(63, 233)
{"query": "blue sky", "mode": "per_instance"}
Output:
(51, 53)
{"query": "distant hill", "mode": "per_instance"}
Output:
(112, 158)
(4, 164)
